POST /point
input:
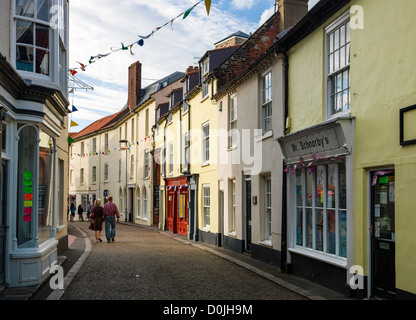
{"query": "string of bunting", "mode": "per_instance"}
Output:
(140, 42)
(310, 166)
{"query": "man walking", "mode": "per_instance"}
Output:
(110, 212)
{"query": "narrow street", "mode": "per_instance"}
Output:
(145, 264)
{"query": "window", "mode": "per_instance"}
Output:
(131, 166)
(94, 145)
(268, 209)
(94, 174)
(106, 142)
(81, 176)
(82, 148)
(206, 201)
(163, 161)
(205, 143)
(170, 157)
(138, 204)
(233, 133)
(33, 36)
(146, 128)
(321, 212)
(144, 203)
(233, 207)
(106, 172)
(338, 43)
(71, 173)
(170, 118)
(266, 101)
(146, 173)
(185, 107)
(204, 84)
(187, 153)
(132, 130)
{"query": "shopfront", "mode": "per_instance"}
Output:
(177, 205)
(318, 164)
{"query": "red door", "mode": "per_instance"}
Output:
(171, 209)
(177, 205)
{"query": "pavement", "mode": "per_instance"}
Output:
(80, 248)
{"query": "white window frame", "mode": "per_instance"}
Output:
(131, 166)
(206, 205)
(82, 176)
(145, 204)
(186, 150)
(162, 171)
(105, 171)
(205, 143)
(106, 142)
(204, 79)
(233, 217)
(170, 158)
(138, 200)
(266, 101)
(330, 75)
(232, 123)
(94, 145)
(268, 209)
(146, 172)
(94, 174)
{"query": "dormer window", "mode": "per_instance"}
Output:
(204, 84)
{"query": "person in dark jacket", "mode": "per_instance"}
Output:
(97, 219)
(80, 213)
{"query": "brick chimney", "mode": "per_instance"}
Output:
(291, 11)
(135, 85)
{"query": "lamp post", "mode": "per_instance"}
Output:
(125, 208)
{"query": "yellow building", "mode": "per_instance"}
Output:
(346, 150)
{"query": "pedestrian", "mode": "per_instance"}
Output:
(110, 213)
(80, 211)
(72, 211)
(89, 206)
(97, 219)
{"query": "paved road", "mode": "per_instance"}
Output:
(145, 264)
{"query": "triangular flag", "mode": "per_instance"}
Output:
(73, 72)
(123, 47)
(208, 5)
(70, 140)
(140, 42)
(187, 12)
(73, 124)
(74, 109)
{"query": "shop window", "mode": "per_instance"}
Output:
(321, 215)
(268, 209)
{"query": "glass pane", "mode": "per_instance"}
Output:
(331, 187)
(24, 32)
(345, 100)
(345, 80)
(339, 82)
(347, 29)
(336, 60)
(331, 42)
(299, 227)
(299, 201)
(319, 202)
(343, 234)
(338, 107)
(42, 36)
(45, 181)
(26, 181)
(25, 8)
(336, 39)
(44, 7)
(342, 35)
(342, 186)
(309, 228)
(331, 63)
(42, 62)
(319, 230)
(24, 58)
(331, 241)
(309, 193)
(347, 54)
(342, 52)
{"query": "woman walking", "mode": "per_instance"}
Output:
(97, 219)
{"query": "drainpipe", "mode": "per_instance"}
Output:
(283, 53)
(164, 168)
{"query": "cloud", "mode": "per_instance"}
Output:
(266, 15)
(243, 4)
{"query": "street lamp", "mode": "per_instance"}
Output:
(125, 208)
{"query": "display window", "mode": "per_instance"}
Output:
(321, 212)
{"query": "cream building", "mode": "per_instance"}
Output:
(34, 109)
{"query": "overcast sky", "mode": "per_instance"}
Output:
(98, 25)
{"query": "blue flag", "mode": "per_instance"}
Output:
(74, 109)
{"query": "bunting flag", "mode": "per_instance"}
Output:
(140, 42)
(73, 124)
(70, 140)
(74, 109)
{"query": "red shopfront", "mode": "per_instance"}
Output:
(177, 205)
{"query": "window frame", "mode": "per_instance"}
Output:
(205, 144)
(206, 206)
(232, 121)
(266, 104)
(170, 146)
(268, 207)
(330, 109)
(146, 165)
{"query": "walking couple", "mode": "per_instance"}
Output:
(108, 213)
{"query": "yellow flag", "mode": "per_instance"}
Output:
(73, 124)
(208, 5)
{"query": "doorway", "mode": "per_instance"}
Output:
(247, 200)
(383, 245)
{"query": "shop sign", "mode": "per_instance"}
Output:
(323, 140)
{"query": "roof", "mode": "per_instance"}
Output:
(235, 34)
(111, 120)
